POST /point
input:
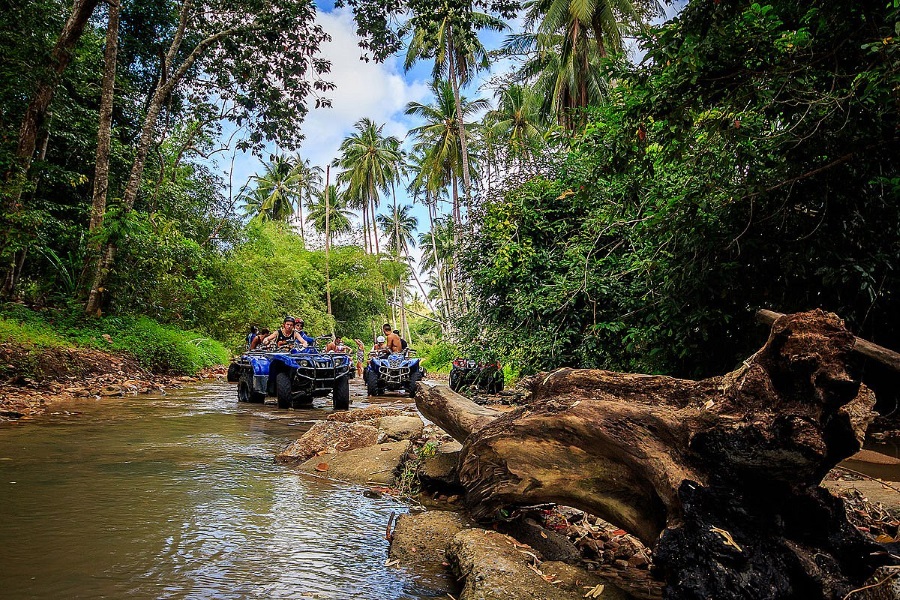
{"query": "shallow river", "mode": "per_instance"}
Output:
(178, 497)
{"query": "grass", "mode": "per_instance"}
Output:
(160, 348)
(438, 357)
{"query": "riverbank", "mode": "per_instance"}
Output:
(79, 373)
(48, 355)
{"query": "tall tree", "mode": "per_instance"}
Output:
(33, 122)
(371, 162)
(605, 20)
(278, 192)
(260, 57)
(104, 135)
(516, 121)
(438, 138)
(338, 212)
(447, 33)
(565, 73)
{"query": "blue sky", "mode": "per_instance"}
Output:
(379, 91)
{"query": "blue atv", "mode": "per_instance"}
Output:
(397, 371)
(294, 376)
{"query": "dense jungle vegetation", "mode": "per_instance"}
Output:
(624, 197)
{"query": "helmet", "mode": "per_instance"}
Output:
(380, 339)
(288, 320)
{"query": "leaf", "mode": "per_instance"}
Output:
(595, 591)
(322, 467)
(729, 541)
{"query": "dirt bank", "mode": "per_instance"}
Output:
(65, 373)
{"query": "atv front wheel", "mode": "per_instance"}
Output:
(413, 386)
(371, 383)
(340, 394)
(283, 389)
(245, 390)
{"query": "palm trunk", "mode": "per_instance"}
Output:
(416, 278)
(454, 80)
(374, 226)
(104, 133)
(445, 299)
(327, 242)
(365, 226)
(457, 218)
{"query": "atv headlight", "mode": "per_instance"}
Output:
(304, 363)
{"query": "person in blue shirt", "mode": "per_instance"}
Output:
(254, 331)
(301, 334)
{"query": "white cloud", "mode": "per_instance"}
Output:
(378, 91)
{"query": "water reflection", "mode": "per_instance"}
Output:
(178, 497)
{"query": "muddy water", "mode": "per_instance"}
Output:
(178, 497)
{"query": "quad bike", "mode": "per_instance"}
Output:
(467, 373)
(393, 372)
(295, 376)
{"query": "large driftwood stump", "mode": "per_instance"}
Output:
(720, 476)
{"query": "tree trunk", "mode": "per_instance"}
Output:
(365, 215)
(416, 278)
(445, 298)
(327, 241)
(164, 87)
(35, 114)
(720, 476)
(454, 80)
(104, 134)
(33, 122)
(374, 225)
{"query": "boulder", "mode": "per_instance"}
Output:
(373, 464)
(494, 566)
(421, 539)
(328, 436)
(400, 427)
(363, 414)
(438, 472)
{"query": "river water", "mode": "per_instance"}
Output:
(178, 497)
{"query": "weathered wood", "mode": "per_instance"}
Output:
(865, 348)
(455, 414)
(719, 476)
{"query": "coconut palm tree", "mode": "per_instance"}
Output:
(516, 122)
(448, 35)
(569, 42)
(566, 74)
(278, 193)
(603, 20)
(399, 228)
(309, 184)
(438, 138)
(371, 163)
(274, 194)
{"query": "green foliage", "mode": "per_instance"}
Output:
(743, 165)
(159, 348)
(438, 357)
(30, 334)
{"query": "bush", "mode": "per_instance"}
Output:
(438, 357)
(159, 348)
